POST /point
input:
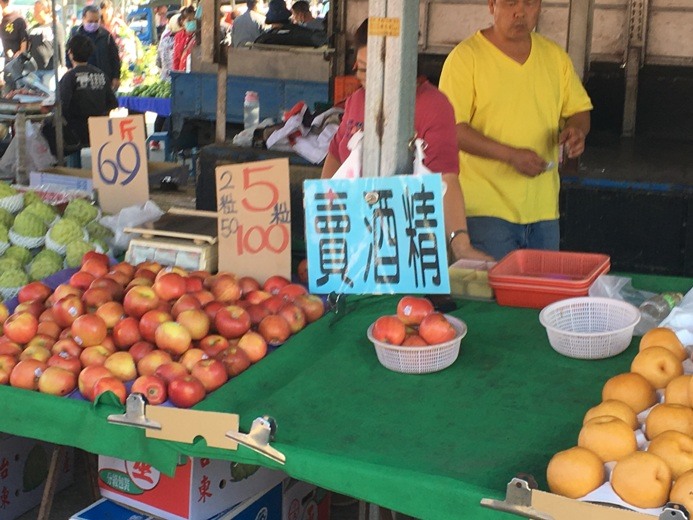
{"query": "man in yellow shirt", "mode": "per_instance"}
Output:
(517, 101)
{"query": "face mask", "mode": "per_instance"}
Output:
(190, 26)
(90, 27)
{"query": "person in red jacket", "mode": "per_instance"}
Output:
(184, 40)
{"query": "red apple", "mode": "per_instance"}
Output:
(4, 377)
(211, 373)
(185, 303)
(389, 329)
(112, 286)
(414, 340)
(126, 333)
(108, 344)
(8, 362)
(26, 374)
(232, 321)
(140, 299)
(247, 284)
(225, 288)
(49, 328)
(94, 266)
(196, 322)
(4, 313)
(212, 308)
(193, 284)
(170, 371)
(146, 274)
(124, 267)
(172, 337)
(275, 329)
(88, 377)
(185, 392)
(61, 291)
(169, 286)
(145, 282)
(150, 362)
(81, 280)
(140, 349)
(10, 348)
(89, 330)
(34, 291)
(57, 381)
(121, 365)
(95, 297)
(254, 345)
(67, 310)
(273, 303)
(294, 316)
(20, 327)
(153, 389)
(41, 340)
(110, 384)
(67, 362)
(235, 360)
(111, 313)
(33, 307)
(46, 315)
(411, 309)
(435, 328)
(312, 305)
(213, 344)
(274, 283)
(257, 312)
(96, 355)
(95, 255)
(119, 277)
(257, 296)
(204, 297)
(68, 346)
(35, 352)
(151, 321)
(191, 356)
(292, 290)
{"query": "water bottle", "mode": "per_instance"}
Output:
(655, 309)
(251, 109)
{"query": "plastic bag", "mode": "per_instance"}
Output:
(131, 216)
(621, 288)
(37, 155)
(245, 137)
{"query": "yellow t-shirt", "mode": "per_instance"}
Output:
(520, 105)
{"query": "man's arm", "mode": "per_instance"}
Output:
(330, 167)
(574, 132)
(524, 160)
(114, 58)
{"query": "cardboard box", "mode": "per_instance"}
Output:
(106, 509)
(568, 509)
(62, 178)
(303, 501)
(24, 467)
(264, 506)
(200, 488)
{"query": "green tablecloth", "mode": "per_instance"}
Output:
(430, 446)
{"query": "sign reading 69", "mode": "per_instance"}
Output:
(119, 160)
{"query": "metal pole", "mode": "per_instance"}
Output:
(393, 30)
(20, 135)
(580, 18)
(637, 35)
(58, 110)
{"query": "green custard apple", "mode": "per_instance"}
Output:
(99, 245)
(29, 225)
(4, 236)
(41, 268)
(13, 278)
(65, 231)
(49, 254)
(97, 230)
(30, 196)
(22, 254)
(6, 218)
(75, 250)
(6, 190)
(81, 210)
(7, 262)
(44, 211)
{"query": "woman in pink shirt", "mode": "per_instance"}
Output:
(434, 122)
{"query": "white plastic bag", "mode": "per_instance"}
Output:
(37, 155)
(351, 167)
(131, 216)
(621, 288)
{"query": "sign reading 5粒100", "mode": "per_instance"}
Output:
(376, 235)
(254, 218)
(119, 161)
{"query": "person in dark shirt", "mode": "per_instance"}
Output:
(283, 32)
(84, 92)
(13, 33)
(105, 55)
(42, 41)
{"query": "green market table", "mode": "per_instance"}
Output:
(431, 446)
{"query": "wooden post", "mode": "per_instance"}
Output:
(51, 482)
(222, 77)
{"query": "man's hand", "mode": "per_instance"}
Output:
(527, 162)
(115, 84)
(573, 140)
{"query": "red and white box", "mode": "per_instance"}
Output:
(303, 501)
(24, 467)
(200, 488)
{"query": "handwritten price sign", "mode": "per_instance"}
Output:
(254, 218)
(119, 161)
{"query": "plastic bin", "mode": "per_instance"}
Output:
(534, 278)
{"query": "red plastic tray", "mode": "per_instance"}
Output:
(535, 278)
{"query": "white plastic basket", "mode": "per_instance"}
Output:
(589, 327)
(420, 360)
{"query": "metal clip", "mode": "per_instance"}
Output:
(261, 433)
(673, 511)
(518, 501)
(134, 414)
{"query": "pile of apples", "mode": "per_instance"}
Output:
(179, 335)
(416, 324)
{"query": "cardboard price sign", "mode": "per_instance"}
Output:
(376, 235)
(254, 218)
(119, 161)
